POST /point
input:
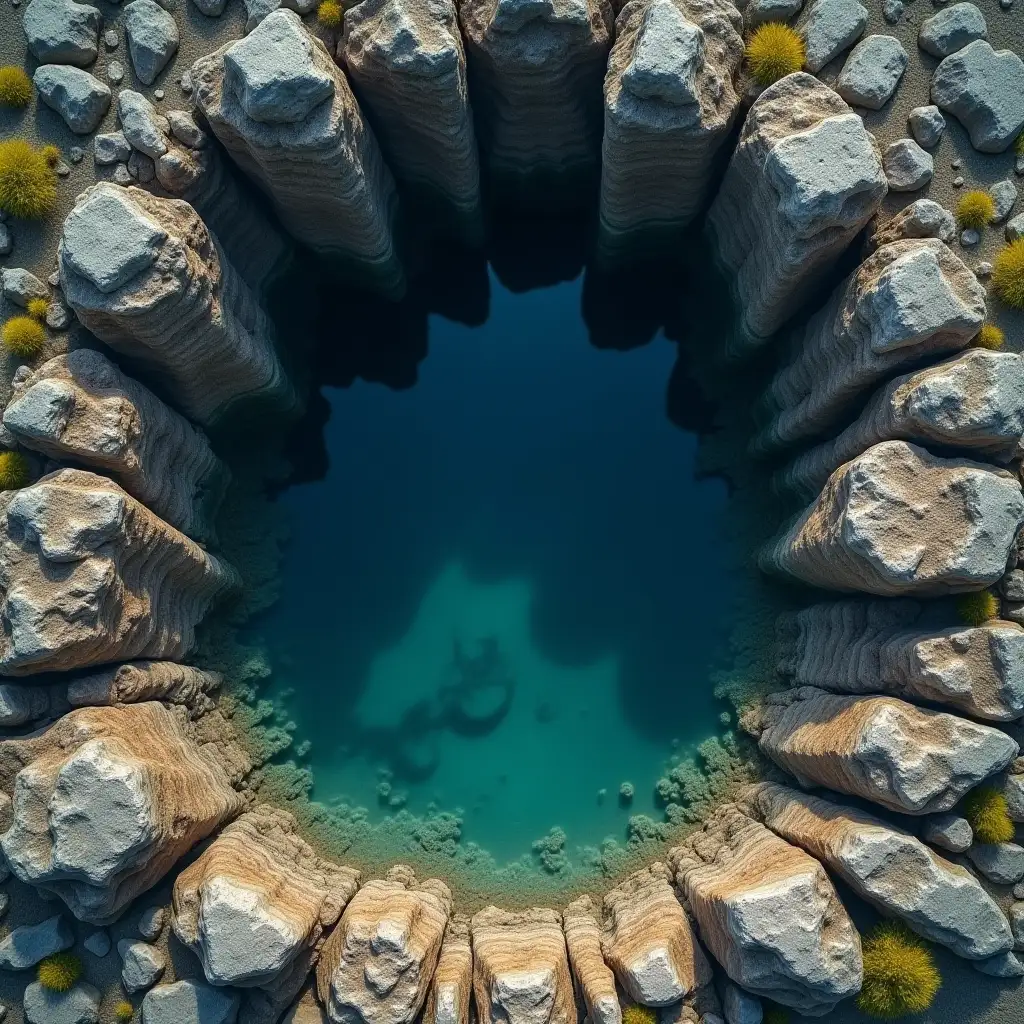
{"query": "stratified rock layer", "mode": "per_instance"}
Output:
(769, 914)
(451, 988)
(140, 681)
(596, 981)
(805, 177)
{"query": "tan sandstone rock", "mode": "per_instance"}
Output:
(595, 979)
(451, 989)
(769, 914)
(138, 681)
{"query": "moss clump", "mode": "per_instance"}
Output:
(637, 1014)
(1008, 274)
(976, 608)
(14, 471)
(59, 972)
(15, 87)
(990, 337)
(985, 808)
(51, 154)
(329, 14)
(24, 337)
(975, 210)
(900, 976)
(123, 1011)
(37, 308)
(28, 186)
(774, 51)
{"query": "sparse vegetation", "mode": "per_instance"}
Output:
(24, 337)
(329, 14)
(59, 972)
(985, 808)
(637, 1014)
(990, 337)
(37, 308)
(14, 471)
(974, 609)
(774, 1014)
(15, 87)
(774, 50)
(900, 976)
(975, 210)
(51, 154)
(1018, 146)
(123, 1011)
(1008, 274)
(28, 186)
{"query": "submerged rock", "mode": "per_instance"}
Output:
(451, 989)
(596, 981)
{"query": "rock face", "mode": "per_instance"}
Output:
(769, 914)
(670, 100)
(141, 681)
(805, 177)
(376, 966)
(520, 968)
(908, 302)
(536, 68)
(89, 575)
(106, 800)
(451, 988)
(408, 63)
(286, 114)
(882, 749)
(648, 941)
(899, 521)
(890, 869)
(80, 407)
(596, 981)
(867, 647)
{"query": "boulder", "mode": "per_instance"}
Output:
(768, 914)
(739, 1007)
(1005, 965)
(21, 286)
(145, 129)
(151, 923)
(1015, 228)
(62, 32)
(140, 681)
(907, 759)
(80, 1004)
(377, 964)
(81, 100)
(189, 1002)
(1004, 196)
(949, 831)
(143, 965)
(757, 12)
(872, 72)
(147, 277)
(805, 177)
(28, 944)
(20, 704)
(595, 980)
(927, 125)
(1001, 863)
(828, 28)
(890, 869)
(951, 29)
(451, 989)
(152, 38)
(79, 407)
(907, 166)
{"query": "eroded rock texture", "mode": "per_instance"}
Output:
(451, 988)
(286, 114)
(376, 966)
(89, 575)
(106, 800)
(885, 750)
(79, 407)
(769, 914)
(889, 868)
(670, 101)
(805, 177)
(596, 981)
(520, 968)
(868, 647)
(140, 681)
(145, 275)
(910, 301)
(899, 521)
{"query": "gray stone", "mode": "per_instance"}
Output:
(1005, 965)
(984, 89)
(211, 8)
(141, 167)
(5, 905)
(185, 129)
(62, 32)
(27, 945)
(740, 1007)
(121, 175)
(1004, 195)
(969, 238)
(111, 148)
(949, 831)
(1012, 585)
(110, 39)
(77, 154)
(951, 30)
(1015, 230)
(79, 1005)
(872, 72)
(20, 285)
(927, 125)
(151, 923)
(115, 72)
(1016, 916)
(152, 38)
(144, 128)
(983, 269)
(759, 11)
(6, 241)
(143, 965)
(98, 942)
(892, 10)
(77, 96)
(1002, 863)
(190, 1002)
(828, 28)
(907, 166)
(20, 704)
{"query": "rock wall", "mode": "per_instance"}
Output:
(451, 989)
(593, 976)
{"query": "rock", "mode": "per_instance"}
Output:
(105, 802)
(152, 38)
(81, 408)
(1012, 787)
(143, 965)
(98, 942)
(892, 10)
(190, 1002)
(1004, 195)
(768, 914)
(211, 8)
(872, 72)
(141, 681)
(111, 148)
(115, 72)
(520, 968)
(6, 241)
(142, 126)
(58, 316)
(62, 32)
(1005, 965)
(141, 167)
(740, 1007)
(185, 130)
(951, 29)
(828, 27)
(927, 125)
(21, 704)
(79, 1005)
(908, 759)
(949, 831)
(111, 40)
(984, 89)
(907, 166)
(596, 981)
(26, 945)
(757, 12)
(391, 928)
(81, 100)
(1017, 923)
(19, 286)
(889, 868)
(451, 988)
(970, 238)
(1015, 228)
(1002, 863)
(145, 275)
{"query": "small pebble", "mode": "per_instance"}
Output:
(61, 170)
(186, 83)
(956, 164)
(54, 279)
(159, 93)
(1018, 891)
(110, 39)
(98, 942)
(151, 922)
(1006, 4)
(115, 72)
(121, 175)
(983, 269)
(892, 10)
(969, 237)
(958, 181)
(76, 153)
(57, 316)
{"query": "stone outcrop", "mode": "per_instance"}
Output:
(106, 800)
(80, 408)
(377, 964)
(882, 749)
(910, 301)
(286, 114)
(648, 941)
(89, 575)
(890, 869)
(768, 914)
(593, 976)
(898, 521)
(140, 681)
(805, 177)
(871, 647)
(145, 275)
(22, 703)
(670, 100)
(520, 968)
(451, 989)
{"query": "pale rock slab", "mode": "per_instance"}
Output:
(79, 1005)
(151, 923)
(62, 32)
(111, 148)
(927, 125)
(143, 965)
(756, 12)
(1004, 196)
(26, 945)
(152, 38)
(20, 286)
(872, 72)
(142, 126)
(81, 100)
(923, 218)
(828, 27)
(139, 681)
(451, 989)
(951, 29)
(582, 927)
(949, 831)
(190, 1002)
(907, 166)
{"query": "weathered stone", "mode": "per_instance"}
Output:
(151, 921)
(949, 831)
(828, 27)
(141, 681)
(98, 942)
(951, 29)
(451, 989)
(907, 166)
(20, 286)
(143, 965)
(185, 130)
(142, 126)
(152, 38)
(1002, 863)
(740, 1007)
(27, 944)
(923, 218)
(1004, 196)
(81, 100)
(596, 981)
(62, 32)
(20, 704)
(190, 1002)
(111, 148)
(1012, 787)
(927, 125)
(756, 12)
(1005, 965)
(141, 167)
(872, 72)
(79, 1005)
(1015, 228)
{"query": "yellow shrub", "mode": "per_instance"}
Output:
(14, 471)
(28, 186)
(1008, 274)
(51, 154)
(329, 14)
(985, 808)
(774, 51)
(900, 976)
(975, 209)
(24, 337)
(637, 1014)
(60, 971)
(123, 1011)
(976, 608)
(37, 308)
(15, 87)
(990, 337)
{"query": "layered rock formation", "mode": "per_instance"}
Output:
(870, 647)
(89, 575)
(879, 748)
(106, 800)
(909, 301)
(146, 276)
(376, 966)
(140, 681)
(286, 114)
(596, 981)
(805, 177)
(670, 100)
(451, 988)
(769, 914)
(79, 407)
(899, 521)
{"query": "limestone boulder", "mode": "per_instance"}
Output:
(106, 800)
(769, 914)
(582, 927)
(923, 218)
(152, 38)
(451, 989)
(190, 1002)
(805, 177)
